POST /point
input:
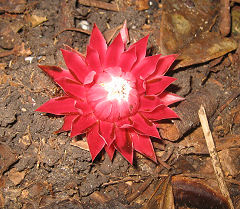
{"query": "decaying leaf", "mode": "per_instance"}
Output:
(7, 157)
(195, 193)
(81, 144)
(36, 20)
(162, 197)
(109, 34)
(15, 176)
(236, 21)
(142, 4)
(208, 46)
(185, 30)
(13, 6)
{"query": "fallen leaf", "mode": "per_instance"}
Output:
(142, 4)
(13, 6)
(15, 176)
(7, 157)
(81, 144)
(162, 197)
(236, 21)
(197, 194)
(109, 34)
(229, 159)
(208, 46)
(185, 30)
(3, 66)
(19, 50)
(36, 20)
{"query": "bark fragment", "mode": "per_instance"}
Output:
(188, 113)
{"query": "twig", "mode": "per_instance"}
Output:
(74, 29)
(99, 197)
(164, 164)
(99, 4)
(66, 20)
(120, 181)
(227, 102)
(213, 154)
(140, 190)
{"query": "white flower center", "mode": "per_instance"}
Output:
(118, 89)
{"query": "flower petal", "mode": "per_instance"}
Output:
(124, 123)
(141, 86)
(68, 48)
(146, 67)
(95, 141)
(127, 59)
(114, 112)
(123, 144)
(124, 33)
(89, 78)
(56, 72)
(110, 150)
(59, 106)
(144, 126)
(96, 92)
(75, 64)
(169, 98)
(67, 126)
(98, 42)
(82, 124)
(161, 112)
(103, 77)
(114, 71)
(93, 60)
(158, 85)
(133, 101)
(83, 107)
(163, 65)
(141, 47)
(149, 103)
(103, 109)
(113, 52)
(106, 131)
(72, 88)
(143, 145)
(124, 109)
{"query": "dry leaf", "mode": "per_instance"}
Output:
(195, 193)
(3, 66)
(162, 197)
(142, 4)
(36, 20)
(15, 176)
(185, 30)
(81, 144)
(13, 6)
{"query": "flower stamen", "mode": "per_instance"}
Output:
(118, 89)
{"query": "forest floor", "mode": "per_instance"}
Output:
(42, 169)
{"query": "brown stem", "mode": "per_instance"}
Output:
(99, 4)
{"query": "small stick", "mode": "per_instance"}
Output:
(74, 29)
(120, 181)
(225, 17)
(99, 4)
(164, 164)
(140, 190)
(214, 155)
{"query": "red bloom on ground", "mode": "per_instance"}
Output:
(114, 95)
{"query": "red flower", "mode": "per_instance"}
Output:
(114, 95)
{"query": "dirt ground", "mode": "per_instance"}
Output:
(42, 169)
